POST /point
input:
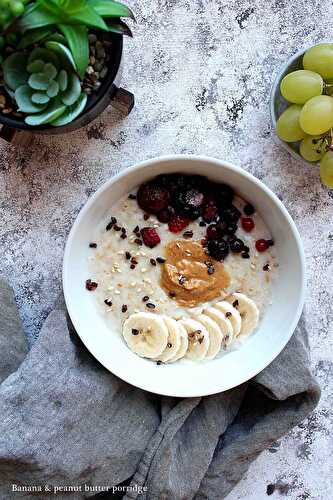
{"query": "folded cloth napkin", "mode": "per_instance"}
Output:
(68, 424)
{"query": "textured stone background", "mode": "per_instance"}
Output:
(201, 72)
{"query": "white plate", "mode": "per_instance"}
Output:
(186, 378)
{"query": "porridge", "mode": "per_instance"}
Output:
(181, 266)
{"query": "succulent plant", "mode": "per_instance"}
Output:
(72, 18)
(45, 85)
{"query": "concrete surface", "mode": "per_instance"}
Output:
(201, 72)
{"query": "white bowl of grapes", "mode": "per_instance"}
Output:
(302, 108)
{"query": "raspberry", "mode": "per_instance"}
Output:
(150, 237)
(152, 198)
(177, 224)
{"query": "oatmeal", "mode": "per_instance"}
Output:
(172, 253)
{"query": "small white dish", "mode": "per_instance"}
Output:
(186, 378)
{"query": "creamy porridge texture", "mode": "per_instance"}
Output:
(178, 277)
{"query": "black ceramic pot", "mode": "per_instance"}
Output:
(16, 131)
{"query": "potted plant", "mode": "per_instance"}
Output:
(60, 61)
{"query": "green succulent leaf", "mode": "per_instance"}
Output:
(45, 55)
(53, 89)
(62, 80)
(77, 39)
(34, 36)
(51, 113)
(119, 27)
(50, 71)
(73, 91)
(89, 17)
(71, 112)
(36, 66)
(38, 16)
(23, 97)
(63, 52)
(108, 8)
(38, 81)
(57, 37)
(50, 12)
(40, 98)
(14, 69)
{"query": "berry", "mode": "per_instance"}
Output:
(218, 249)
(224, 195)
(231, 229)
(209, 213)
(248, 209)
(247, 224)
(230, 214)
(236, 246)
(188, 203)
(152, 198)
(261, 245)
(177, 224)
(165, 215)
(213, 232)
(172, 182)
(150, 237)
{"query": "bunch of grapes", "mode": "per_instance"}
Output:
(10, 9)
(309, 118)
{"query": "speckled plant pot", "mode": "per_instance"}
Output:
(17, 131)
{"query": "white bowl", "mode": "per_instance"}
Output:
(186, 378)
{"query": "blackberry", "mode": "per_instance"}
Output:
(218, 249)
(230, 214)
(172, 182)
(224, 195)
(188, 203)
(231, 228)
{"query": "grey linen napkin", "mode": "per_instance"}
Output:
(66, 421)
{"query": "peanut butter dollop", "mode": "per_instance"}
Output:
(190, 276)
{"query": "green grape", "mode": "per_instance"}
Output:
(299, 86)
(319, 58)
(326, 169)
(288, 127)
(317, 115)
(312, 148)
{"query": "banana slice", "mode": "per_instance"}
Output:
(146, 334)
(223, 322)
(248, 311)
(183, 344)
(198, 339)
(215, 335)
(232, 314)
(174, 339)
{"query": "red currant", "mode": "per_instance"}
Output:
(247, 224)
(261, 245)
